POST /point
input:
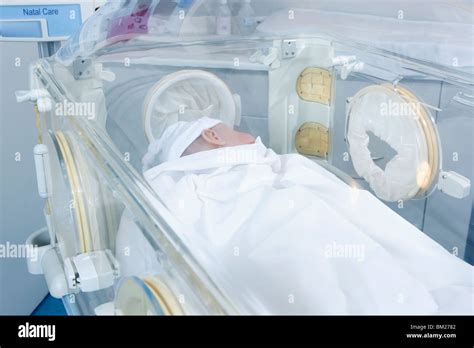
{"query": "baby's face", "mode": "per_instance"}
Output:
(232, 137)
(216, 137)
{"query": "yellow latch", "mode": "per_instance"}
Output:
(314, 85)
(312, 139)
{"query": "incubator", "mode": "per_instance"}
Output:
(381, 96)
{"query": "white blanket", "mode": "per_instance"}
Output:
(280, 234)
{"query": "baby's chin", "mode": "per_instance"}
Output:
(246, 139)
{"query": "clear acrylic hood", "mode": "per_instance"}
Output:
(438, 32)
(310, 78)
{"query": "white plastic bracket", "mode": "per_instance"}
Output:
(343, 60)
(351, 67)
(54, 274)
(348, 64)
(454, 184)
(40, 96)
(43, 171)
(288, 49)
(269, 59)
(84, 69)
(38, 243)
(91, 271)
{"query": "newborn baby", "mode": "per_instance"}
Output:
(187, 138)
(287, 235)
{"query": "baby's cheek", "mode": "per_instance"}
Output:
(245, 138)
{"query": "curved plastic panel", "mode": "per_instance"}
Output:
(135, 297)
(410, 29)
(185, 96)
(400, 119)
(98, 164)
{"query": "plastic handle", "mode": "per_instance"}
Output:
(31, 95)
(22, 96)
(43, 174)
(464, 99)
(454, 184)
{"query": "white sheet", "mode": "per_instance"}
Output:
(280, 234)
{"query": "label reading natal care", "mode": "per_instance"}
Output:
(45, 11)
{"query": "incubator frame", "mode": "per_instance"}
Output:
(124, 184)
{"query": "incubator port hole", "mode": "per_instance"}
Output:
(380, 150)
